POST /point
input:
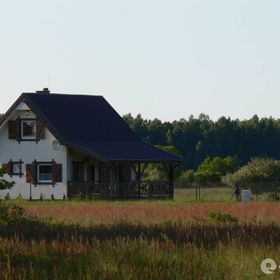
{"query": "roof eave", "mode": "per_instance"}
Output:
(146, 160)
(11, 109)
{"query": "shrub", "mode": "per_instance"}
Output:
(222, 217)
(258, 174)
(11, 214)
(274, 196)
(207, 177)
(4, 184)
(186, 177)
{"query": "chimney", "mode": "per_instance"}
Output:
(45, 90)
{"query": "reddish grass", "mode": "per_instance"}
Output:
(264, 212)
(36, 249)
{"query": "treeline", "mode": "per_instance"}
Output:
(198, 138)
(201, 137)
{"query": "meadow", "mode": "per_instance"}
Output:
(216, 238)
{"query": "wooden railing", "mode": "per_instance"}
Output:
(130, 189)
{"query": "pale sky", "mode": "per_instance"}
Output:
(164, 59)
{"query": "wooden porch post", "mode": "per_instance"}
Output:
(139, 179)
(108, 179)
(170, 181)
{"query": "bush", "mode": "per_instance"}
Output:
(3, 183)
(257, 170)
(11, 214)
(187, 177)
(207, 177)
(274, 196)
(222, 217)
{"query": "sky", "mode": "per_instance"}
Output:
(163, 59)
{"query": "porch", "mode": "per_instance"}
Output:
(125, 190)
(122, 181)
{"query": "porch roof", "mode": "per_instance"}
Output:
(89, 124)
(126, 151)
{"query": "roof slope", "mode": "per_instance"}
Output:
(90, 124)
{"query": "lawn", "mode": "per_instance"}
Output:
(216, 238)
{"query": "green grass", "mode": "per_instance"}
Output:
(210, 194)
(181, 196)
(218, 194)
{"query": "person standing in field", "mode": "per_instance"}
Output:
(237, 192)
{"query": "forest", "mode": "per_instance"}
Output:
(200, 137)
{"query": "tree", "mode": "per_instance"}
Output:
(157, 171)
(213, 169)
(201, 137)
(3, 183)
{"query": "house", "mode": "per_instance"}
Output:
(62, 145)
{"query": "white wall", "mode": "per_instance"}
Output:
(27, 151)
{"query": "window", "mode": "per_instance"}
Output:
(28, 129)
(44, 173)
(16, 168)
(13, 168)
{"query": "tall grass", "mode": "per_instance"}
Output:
(38, 247)
(152, 213)
(126, 259)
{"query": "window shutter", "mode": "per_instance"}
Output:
(57, 173)
(6, 167)
(13, 129)
(40, 130)
(30, 173)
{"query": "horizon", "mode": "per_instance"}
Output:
(188, 117)
(197, 117)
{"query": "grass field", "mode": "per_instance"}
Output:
(216, 238)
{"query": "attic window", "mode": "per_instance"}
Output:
(28, 129)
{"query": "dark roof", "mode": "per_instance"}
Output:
(89, 123)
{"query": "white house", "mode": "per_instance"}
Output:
(61, 145)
